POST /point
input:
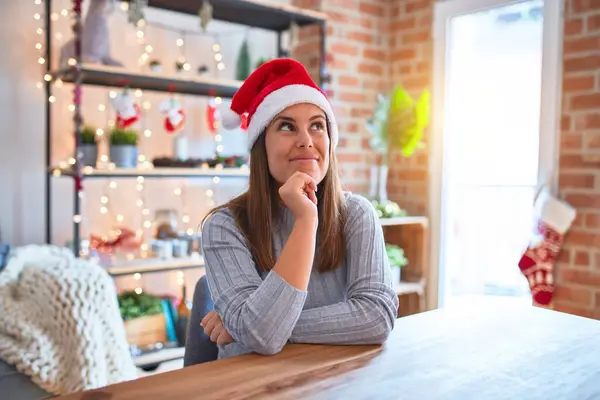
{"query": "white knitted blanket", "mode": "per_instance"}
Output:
(60, 322)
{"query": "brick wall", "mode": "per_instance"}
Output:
(357, 61)
(374, 44)
(578, 280)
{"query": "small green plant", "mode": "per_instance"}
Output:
(133, 305)
(88, 135)
(123, 137)
(388, 209)
(396, 256)
(154, 63)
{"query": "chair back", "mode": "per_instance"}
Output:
(198, 347)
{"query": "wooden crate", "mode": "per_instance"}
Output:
(145, 331)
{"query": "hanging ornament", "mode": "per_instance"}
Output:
(174, 115)
(128, 112)
(135, 12)
(205, 14)
(211, 117)
(244, 124)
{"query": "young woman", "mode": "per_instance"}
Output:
(294, 259)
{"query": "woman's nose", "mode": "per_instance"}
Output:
(304, 138)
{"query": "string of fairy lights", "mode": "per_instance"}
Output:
(106, 205)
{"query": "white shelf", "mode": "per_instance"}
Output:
(159, 356)
(409, 287)
(150, 265)
(157, 172)
(404, 221)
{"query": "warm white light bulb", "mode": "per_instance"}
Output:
(38, 46)
(179, 42)
(41, 60)
(51, 99)
(77, 218)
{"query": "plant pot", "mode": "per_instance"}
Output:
(378, 183)
(124, 156)
(89, 154)
(156, 68)
(396, 274)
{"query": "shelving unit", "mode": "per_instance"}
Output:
(252, 13)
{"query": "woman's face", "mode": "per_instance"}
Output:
(297, 140)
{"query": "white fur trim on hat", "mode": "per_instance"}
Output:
(229, 118)
(280, 99)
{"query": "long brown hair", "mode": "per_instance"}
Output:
(252, 208)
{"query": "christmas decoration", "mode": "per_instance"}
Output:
(95, 42)
(553, 218)
(243, 66)
(274, 86)
(205, 14)
(136, 11)
(124, 239)
(128, 112)
(174, 115)
(211, 117)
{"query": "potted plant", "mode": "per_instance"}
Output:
(123, 147)
(155, 66)
(398, 122)
(143, 317)
(88, 146)
(397, 260)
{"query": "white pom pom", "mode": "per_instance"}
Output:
(229, 118)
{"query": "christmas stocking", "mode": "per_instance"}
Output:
(554, 218)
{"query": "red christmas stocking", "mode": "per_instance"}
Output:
(554, 218)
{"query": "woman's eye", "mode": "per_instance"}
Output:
(318, 126)
(286, 126)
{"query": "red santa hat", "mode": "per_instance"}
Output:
(270, 89)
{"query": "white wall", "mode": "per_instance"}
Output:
(22, 199)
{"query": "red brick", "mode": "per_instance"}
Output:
(597, 301)
(335, 16)
(379, 55)
(581, 296)
(412, 175)
(408, 22)
(571, 141)
(416, 83)
(578, 83)
(592, 221)
(344, 48)
(583, 238)
(426, 21)
(349, 157)
(565, 123)
(585, 101)
(576, 181)
(564, 256)
(360, 112)
(352, 97)
(584, 63)
(365, 22)
(361, 37)
(584, 200)
(580, 276)
(423, 67)
(416, 37)
(417, 5)
(348, 80)
(593, 23)
(591, 140)
(582, 258)
(583, 6)
(404, 54)
(588, 121)
(370, 8)
(579, 220)
(365, 68)
(573, 26)
(582, 45)
(347, 4)
(576, 161)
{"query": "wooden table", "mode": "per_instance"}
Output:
(503, 352)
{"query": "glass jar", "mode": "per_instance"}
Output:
(165, 224)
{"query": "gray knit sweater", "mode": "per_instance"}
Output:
(353, 304)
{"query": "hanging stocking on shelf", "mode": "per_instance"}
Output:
(128, 112)
(553, 218)
(174, 115)
(211, 116)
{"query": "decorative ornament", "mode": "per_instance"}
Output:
(136, 11)
(243, 66)
(407, 120)
(211, 117)
(205, 14)
(124, 239)
(174, 115)
(128, 112)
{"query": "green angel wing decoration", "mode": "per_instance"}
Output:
(407, 120)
